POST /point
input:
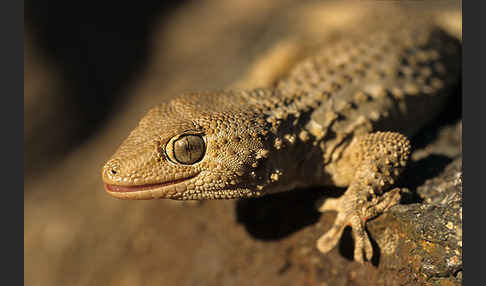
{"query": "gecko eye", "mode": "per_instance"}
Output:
(186, 149)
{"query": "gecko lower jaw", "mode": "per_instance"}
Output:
(170, 189)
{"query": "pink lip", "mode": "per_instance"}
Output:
(124, 189)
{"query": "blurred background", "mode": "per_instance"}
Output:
(91, 70)
(79, 60)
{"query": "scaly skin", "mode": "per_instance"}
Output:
(321, 124)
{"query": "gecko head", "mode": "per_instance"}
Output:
(197, 146)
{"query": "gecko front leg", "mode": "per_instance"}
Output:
(375, 161)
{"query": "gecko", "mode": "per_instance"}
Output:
(340, 117)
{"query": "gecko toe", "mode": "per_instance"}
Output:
(362, 245)
(330, 204)
(331, 238)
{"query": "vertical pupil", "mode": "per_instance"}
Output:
(188, 149)
(187, 144)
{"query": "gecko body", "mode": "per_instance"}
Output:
(339, 117)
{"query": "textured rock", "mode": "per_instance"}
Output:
(422, 242)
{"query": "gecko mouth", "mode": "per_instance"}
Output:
(140, 190)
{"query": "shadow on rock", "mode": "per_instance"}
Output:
(273, 217)
(420, 171)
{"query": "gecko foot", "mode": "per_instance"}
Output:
(354, 211)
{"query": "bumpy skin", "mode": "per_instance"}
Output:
(335, 119)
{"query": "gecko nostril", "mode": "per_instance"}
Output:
(111, 168)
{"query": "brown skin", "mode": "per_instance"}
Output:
(320, 124)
